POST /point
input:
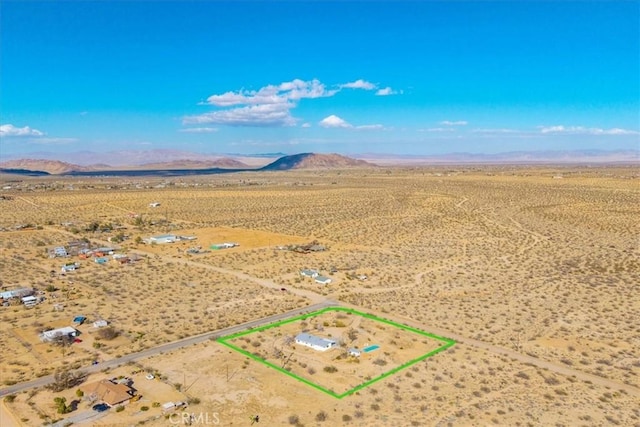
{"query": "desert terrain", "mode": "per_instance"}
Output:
(533, 270)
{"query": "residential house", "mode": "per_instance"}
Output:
(51, 335)
(323, 280)
(316, 343)
(108, 392)
(16, 293)
(58, 251)
(309, 273)
(30, 301)
(163, 238)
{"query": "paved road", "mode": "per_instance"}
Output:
(164, 348)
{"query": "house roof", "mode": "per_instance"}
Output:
(313, 340)
(67, 330)
(16, 293)
(110, 393)
(323, 279)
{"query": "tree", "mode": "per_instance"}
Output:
(108, 333)
(65, 378)
(61, 405)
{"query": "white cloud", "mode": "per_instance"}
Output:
(359, 84)
(386, 91)
(253, 115)
(581, 130)
(437, 130)
(306, 125)
(456, 123)
(284, 93)
(199, 130)
(10, 130)
(270, 105)
(334, 121)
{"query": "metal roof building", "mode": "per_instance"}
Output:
(316, 343)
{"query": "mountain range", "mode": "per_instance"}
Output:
(171, 162)
(182, 167)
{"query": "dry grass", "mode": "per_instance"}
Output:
(506, 255)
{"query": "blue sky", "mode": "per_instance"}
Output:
(420, 77)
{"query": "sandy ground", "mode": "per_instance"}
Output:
(7, 417)
(535, 276)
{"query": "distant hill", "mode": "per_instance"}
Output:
(315, 161)
(224, 163)
(53, 167)
(56, 167)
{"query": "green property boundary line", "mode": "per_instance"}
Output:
(447, 343)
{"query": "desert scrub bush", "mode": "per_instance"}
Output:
(321, 416)
(330, 369)
(10, 398)
(294, 420)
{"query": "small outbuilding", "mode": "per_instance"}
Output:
(100, 324)
(354, 352)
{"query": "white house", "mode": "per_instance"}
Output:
(55, 333)
(154, 204)
(163, 238)
(323, 280)
(316, 343)
(309, 273)
(29, 301)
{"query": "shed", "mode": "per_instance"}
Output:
(79, 320)
(100, 323)
(354, 352)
